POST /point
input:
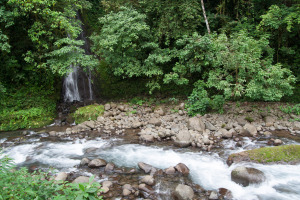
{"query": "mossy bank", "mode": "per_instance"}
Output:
(289, 154)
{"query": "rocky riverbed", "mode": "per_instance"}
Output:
(162, 153)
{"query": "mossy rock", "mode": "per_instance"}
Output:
(86, 113)
(288, 154)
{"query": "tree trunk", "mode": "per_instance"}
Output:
(204, 14)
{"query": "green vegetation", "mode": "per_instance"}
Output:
(27, 109)
(286, 153)
(20, 184)
(86, 113)
(161, 48)
(295, 109)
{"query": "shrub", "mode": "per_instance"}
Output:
(90, 112)
(20, 184)
(199, 101)
(27, 108)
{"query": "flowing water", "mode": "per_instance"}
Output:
(74, 89)
(206, 169)
(71, 86)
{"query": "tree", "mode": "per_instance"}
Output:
(204, 15)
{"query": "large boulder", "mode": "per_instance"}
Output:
(155, 121)
(196, 124)
(61, 176)
(182, 168)
(269, 121)
(183, 192)
(80, 128)
(251, 129)
(85, 161)
(225, 133)
(183, 138)
(147, 138)
(145, 167)
(246, 176)
(90, 124)
(97, 163)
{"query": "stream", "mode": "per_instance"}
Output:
(208, 169)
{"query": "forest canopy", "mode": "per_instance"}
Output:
(213, 50)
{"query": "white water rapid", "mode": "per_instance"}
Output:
(206, 169)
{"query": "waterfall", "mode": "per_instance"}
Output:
(77, 82)
(71, 86)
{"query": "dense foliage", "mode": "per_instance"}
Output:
(248, 57)
(252, 51)
(20, 184)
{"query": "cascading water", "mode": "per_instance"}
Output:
(77, 82)
(71, 86)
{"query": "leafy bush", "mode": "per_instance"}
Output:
(291, 109)
(90, 112)
(20, 184)
(27, 108)
(199, 101)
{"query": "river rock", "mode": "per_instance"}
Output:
(107, 184)
(97, 163)
(154, 121)
(241, 121)
(147, 138)
(160, 111)
(128, 187)
(52, 133)
(107, 107)
(80, 128)
(226, 134)
(85, 161)
(183, 138)
(213, 195)
(277, 142)
(183, 192)
(126, 192)
(109, 167)
(267, 134)
(170, 170)
(61, 176)
(68, 131)
(269, 121)
(196, 124)
(225, 193)
(246, 175)
(136, 124)
(175, 128)
(146, 188)
(210, 127)
(296, 125)
(251, 129)
(145, 167)
(81, 179)
(121, 108)
(90, 124)
(149, 180)
(104, 189)
(182, 168)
